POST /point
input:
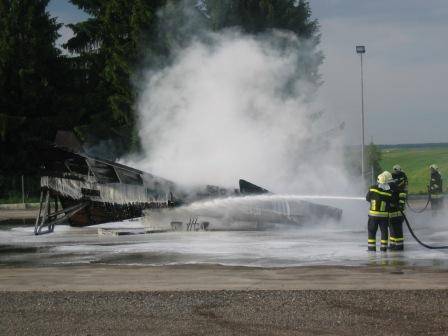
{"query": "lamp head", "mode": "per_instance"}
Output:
(360, 49)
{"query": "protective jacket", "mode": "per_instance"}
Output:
(380, 201)
(401, 180)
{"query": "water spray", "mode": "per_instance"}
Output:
(348, 198)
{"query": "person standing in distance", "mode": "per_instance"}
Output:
(435, 188)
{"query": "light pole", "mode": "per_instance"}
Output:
(362, 50)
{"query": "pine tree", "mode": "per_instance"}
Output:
(373, 160)
(30, 66)
(111, 44)
(258, 16)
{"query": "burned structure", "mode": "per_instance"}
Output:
(93, 191)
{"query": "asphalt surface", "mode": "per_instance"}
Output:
(322, 312)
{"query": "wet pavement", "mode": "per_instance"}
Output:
(333, 243)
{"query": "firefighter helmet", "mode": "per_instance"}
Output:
(434, 166)
(397, 168)
(384, 177)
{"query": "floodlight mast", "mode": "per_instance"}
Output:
(362, 50)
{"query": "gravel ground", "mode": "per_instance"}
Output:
(316, 312)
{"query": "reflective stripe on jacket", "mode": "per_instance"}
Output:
(380, 202)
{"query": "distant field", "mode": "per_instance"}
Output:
(415, 162)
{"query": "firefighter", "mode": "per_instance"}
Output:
(400, 178)
(380, 197)
(435, 188)
(399, 185)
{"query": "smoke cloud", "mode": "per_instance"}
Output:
(232, 106)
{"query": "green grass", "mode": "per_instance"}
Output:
(18, 199)
(415, 163)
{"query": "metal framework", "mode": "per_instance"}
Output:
(193, 225)
(49, 215)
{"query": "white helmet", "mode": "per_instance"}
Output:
(384, 177)
(397, 168)
(434, 166)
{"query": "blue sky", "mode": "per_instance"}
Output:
(406, 65)
(66, 13)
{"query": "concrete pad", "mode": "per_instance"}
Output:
(215, 277)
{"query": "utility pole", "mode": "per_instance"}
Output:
(362, 50)
(373, 171)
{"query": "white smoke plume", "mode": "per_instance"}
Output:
(235, 106)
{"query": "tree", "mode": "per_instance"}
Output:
(31, 103)
(256, 16)
(373, 159)
(259, 16)
(111, 45)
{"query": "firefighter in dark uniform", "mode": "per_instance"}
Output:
(380, 196)
(435, 188)
(400, 178)
(400, 186)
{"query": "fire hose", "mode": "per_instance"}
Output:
(441, 247)
(420, 210)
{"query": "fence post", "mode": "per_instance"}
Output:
(23, 190)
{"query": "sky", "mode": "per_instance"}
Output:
(405, 66)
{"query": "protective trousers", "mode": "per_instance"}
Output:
(396, 240)
(372, 226)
